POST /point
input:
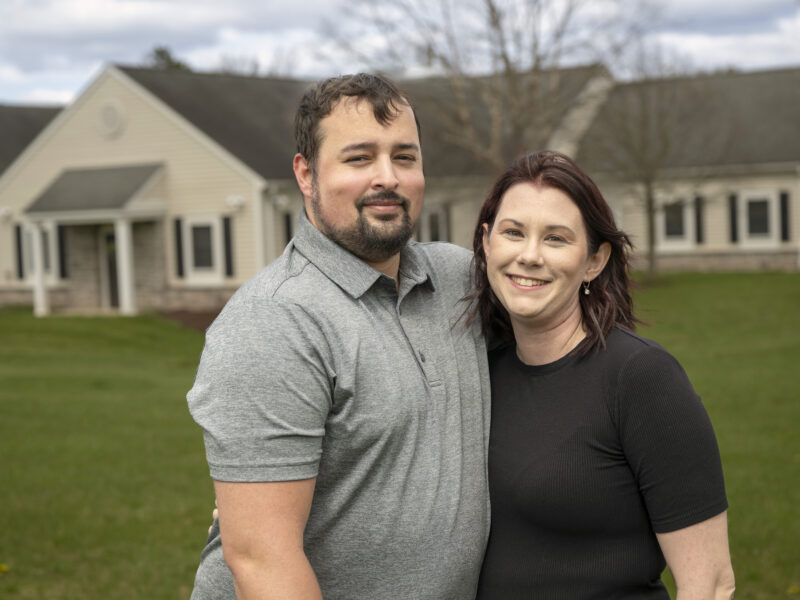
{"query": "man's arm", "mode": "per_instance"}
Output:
(262, 526)
(699, 559)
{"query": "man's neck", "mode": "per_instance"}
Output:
(390, 267)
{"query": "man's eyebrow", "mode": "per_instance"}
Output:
(372, 146)
(359, 146)
(407, 146)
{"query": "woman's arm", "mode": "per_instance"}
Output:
(699, 559)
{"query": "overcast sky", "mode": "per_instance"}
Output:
(51, 49)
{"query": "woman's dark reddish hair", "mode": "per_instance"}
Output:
(609, 302)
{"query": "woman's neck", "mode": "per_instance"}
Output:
(541, 345)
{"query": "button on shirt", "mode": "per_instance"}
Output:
(323, 367)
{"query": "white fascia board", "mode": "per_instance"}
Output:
(184, 124)
(50, 129)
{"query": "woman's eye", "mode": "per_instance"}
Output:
(512, 232)
(555, 238)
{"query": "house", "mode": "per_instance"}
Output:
(19, 125)
(722, 153)
(151, 191)
(165, 190)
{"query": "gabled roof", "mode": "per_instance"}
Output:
(558, 90)
(93, 189)
(717, 120)
(251, 117)
(18, 126)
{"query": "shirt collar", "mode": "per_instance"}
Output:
(350, 272)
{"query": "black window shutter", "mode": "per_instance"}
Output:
(733, 217)
(20, 262)
(179, 247)
(785, 232)
(698, 219)
(227, 245)
(61, 234)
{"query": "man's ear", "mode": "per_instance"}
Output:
(303, 175)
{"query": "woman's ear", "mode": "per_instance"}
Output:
(486, 239)
(598, 261)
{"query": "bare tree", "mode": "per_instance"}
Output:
(279, 64)
(501, 87)
(646, 126)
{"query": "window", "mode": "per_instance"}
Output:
(52, 252)
(676, 223)
(756, 216)
(673, 219)
(203, 249)
(434, 224)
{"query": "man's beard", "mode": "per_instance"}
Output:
(371, 243)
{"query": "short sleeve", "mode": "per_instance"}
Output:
(669, 442)
(262, 393)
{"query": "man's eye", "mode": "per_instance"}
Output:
(406, 157)
(355, 159)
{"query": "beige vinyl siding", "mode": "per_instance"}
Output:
(197, 178)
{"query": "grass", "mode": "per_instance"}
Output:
(104, 490)
(738, 337)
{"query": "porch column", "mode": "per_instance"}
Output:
(41, 307)
(123, 240)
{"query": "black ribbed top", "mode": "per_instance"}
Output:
(588, 457)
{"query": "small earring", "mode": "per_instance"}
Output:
(586, 291)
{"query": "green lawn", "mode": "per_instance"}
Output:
(104, 491)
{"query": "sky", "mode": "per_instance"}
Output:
(50, 50)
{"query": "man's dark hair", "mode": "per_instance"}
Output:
(318, 102)
(610, 302)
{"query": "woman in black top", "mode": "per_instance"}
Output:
(602, 460)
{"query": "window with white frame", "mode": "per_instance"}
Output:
(759, 219)
(48, 232)
(675, 225)
(433, 224)
(203, 249)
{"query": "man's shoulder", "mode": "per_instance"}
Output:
(444, 253)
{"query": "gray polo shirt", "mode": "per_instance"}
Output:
(321, 367)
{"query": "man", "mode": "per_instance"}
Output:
(344, 406)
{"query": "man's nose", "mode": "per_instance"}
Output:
(385, 176)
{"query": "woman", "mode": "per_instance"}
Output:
(602, 460)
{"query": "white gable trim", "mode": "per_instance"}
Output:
(184, 124)
(45, 134)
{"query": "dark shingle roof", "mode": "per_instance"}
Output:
(559, 88)
(18, 126)
(717, 120)
(249, 116)
(252, 116)
(93, 189)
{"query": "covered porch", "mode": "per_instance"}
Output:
(104, 217)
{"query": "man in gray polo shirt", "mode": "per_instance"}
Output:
(343, 403)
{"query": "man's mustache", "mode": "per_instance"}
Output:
(385, 195)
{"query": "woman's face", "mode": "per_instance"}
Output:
(537, 256)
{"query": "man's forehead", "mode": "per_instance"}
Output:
(353, 116)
